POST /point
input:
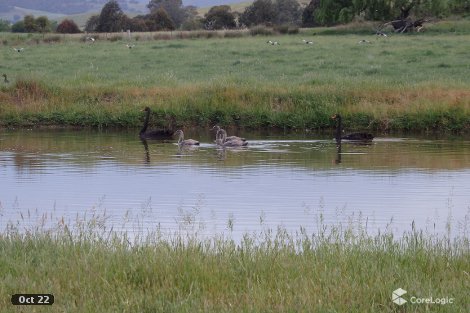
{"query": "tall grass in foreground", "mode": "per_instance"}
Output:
(336, 269)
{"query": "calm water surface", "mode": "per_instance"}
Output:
(279, 180)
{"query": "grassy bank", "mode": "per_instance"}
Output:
(431, 108)
(334, 270)
(404, 82)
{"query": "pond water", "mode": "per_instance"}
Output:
(286, 180)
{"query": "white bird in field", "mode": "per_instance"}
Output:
(18, 49)
(307, 42)
(90, 39)
(269, 41)
(275, 43)
(379, 33)
(130, 46)
(363, 41)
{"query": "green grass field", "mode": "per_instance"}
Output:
(336, 269)
(418, 81)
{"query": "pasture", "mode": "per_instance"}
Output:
(242, 81)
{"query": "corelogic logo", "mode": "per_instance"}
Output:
(396, 296)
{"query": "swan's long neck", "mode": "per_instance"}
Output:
(219, 137)
(223, 136)
(217, 134)
(339, 129)
(146, 122)
(181, 138)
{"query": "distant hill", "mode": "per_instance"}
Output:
(53, 6)
(14, 10)
(68, 7)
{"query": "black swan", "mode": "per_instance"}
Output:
(222, 140)
(153, 134)
(352, 137)
(187, 142)
(228, 138)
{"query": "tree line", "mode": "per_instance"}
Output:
(172, 14)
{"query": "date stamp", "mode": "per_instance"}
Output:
(32, 299)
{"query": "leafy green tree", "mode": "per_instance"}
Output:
(18, 27)
(111, 18)
(288, 12)
(259, 12)
(190, 12)
(375, 10)
(438, 8)
(162, 20)
(345, 15)
(138, 24)
(29, 24)
(174, 9)
(220, 16)
(308, 18)
(459, 6)
(193, 23)
(92, 23)
(43, 25)
(329, 11)
(4, 26)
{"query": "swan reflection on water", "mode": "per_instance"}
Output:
(146, 148)
(186, 149)
(338, 154)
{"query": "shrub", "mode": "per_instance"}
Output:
(162, 36)
(68, 27)
(293, 30)
(52, 39)
(115, 38)
(234, 34)
(283, 29)
(261, 30)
